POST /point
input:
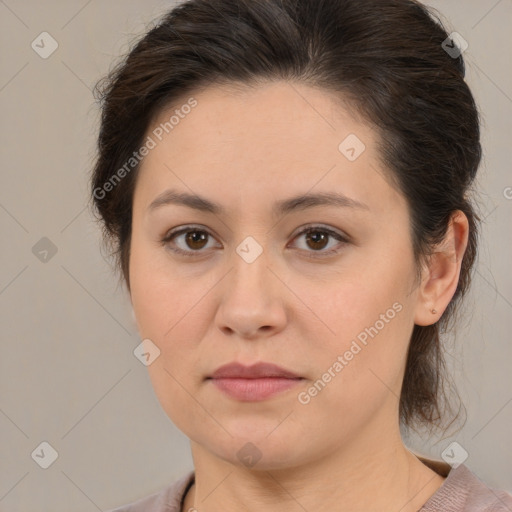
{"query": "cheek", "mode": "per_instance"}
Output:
(157, 295)
(359, 373)
(361, 306)
(171, 319)
(370, 321)
(168, 311)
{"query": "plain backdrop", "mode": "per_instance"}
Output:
(68, 375)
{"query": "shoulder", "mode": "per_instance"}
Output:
(166, 500)
(463, 491)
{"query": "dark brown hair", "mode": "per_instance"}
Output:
(384, 58)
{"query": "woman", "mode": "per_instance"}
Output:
(285, 184)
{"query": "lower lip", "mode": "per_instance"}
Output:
(253, 390)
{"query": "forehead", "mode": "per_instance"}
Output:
(275, 139)
(291, 111)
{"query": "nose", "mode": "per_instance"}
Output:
(252, 302)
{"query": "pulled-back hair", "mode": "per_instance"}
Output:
(385, 59)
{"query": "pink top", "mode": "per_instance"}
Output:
(462, 491)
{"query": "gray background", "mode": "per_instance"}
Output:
(68, 375)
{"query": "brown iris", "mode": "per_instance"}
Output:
(196, 237)
(318, 238)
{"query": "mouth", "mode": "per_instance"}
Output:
(253, 383)
(254, 390)
(261, 370)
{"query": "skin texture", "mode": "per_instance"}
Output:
(246, 148)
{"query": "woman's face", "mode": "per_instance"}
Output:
(336, 306)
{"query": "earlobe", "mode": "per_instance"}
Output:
(441, 274)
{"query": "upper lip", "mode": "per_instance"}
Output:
(255, 371)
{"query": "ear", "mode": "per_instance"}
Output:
(441, 276)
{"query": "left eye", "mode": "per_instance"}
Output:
(317, 239)
(196, 239)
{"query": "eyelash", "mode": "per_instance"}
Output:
(310, 229)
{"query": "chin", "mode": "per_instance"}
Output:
(261, 452)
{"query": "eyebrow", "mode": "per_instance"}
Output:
(297, 203)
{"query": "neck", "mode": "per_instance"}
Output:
(361, 477)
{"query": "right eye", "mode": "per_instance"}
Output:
(193, 240)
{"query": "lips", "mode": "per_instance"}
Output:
(256, 371)
(254, 383)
